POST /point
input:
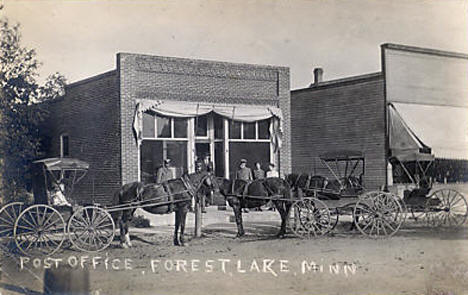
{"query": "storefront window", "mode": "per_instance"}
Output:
(235, 130)
(263, 129)
(201, 124)
(251, 151)
(148, 125)
(164, 126)
(218, 122)
(180, 128)
(153, 152)
(249, 130)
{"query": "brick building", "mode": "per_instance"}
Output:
(126, 121)
(416, 104)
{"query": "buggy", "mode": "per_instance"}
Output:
(374, 213)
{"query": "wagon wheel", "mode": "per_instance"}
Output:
(311, 218)
(446, 207)
(8, 215)
(378, 214)
(334, 218)
(39, 230)
(91, 229)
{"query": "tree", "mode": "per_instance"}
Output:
(21, 111)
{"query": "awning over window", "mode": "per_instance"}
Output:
(182, 109)
(442, 128)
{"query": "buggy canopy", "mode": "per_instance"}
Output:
(345, 155)
(55, 164)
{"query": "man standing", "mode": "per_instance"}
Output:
(244, 172)
(164, 173)
(207, 165)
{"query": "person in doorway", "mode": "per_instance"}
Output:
(164, 173)
(272, 172)
(207, 165)
(244, 173)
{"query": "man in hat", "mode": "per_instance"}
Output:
(164, 173)
(207, 165)
(244, 172)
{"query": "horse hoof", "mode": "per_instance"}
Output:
(124, 246)
(280, 236)
(176, 243)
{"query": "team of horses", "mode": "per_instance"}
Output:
(176, 195)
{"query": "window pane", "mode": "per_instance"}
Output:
(164, 126)
(151, 159)
(177, 152)
(180, 128)
(202, 126)
(251, 151)
(234, 130)
(65, 146)
(218, 127)
(148, 125)
(263, 129)
(249, 130)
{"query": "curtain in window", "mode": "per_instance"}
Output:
(179, 109)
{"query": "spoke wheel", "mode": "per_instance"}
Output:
(334, 218)
(39, 230)
(8, 215)
(91, 229)
(446, 208)
(311, 217)
(378, 214)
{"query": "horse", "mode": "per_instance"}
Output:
(237, 193)
(174, 195)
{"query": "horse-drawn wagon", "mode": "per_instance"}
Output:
(42, 227)
(434, 207)
(373, 213)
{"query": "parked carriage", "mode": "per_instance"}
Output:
(442, 207)
(43, 227)
(325, 201)
(55, 217)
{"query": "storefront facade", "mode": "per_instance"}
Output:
(126, 121)
(184, 109)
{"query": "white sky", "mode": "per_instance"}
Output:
(80, 38)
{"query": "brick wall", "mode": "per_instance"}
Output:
(89, 113)
(166, 78)
(344, 115)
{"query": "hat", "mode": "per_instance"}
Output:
(271, 164)
(167, 161)
(243, 161)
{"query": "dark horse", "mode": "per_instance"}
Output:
(237, 194)
(174, 195)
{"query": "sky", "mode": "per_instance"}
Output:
(81, 38)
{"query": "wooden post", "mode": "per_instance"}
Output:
(198, 219)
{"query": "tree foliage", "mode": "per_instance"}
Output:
(21, 111)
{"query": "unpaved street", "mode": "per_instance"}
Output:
(416, 261)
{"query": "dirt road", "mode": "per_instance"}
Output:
(416, 261)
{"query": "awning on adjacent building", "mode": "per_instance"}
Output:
(243, 113)
(444, 129)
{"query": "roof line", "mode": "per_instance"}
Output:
(346, 80)
(92, 78)
(429, 51)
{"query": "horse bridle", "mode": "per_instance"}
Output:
(194, 190)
